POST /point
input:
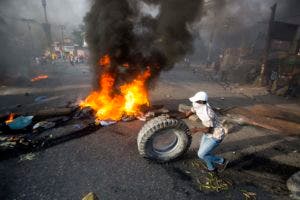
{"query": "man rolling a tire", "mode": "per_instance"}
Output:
(213, 132)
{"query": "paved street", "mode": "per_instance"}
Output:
(107, 162)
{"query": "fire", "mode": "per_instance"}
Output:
(110, 105)
(135, 94)
(38, 78)
(126, 65)
(10, 118)
(104, 61)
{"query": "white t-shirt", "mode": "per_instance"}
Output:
(209, 119)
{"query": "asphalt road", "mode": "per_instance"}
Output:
(105, 162)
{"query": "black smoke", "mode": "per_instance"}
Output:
(128, 34)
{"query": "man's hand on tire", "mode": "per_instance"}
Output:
(194, 130)
(202, 130)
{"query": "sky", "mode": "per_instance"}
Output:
(60, 12)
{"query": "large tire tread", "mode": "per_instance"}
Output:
(157, 124)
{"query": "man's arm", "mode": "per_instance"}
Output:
(189, 113)
(202, 130)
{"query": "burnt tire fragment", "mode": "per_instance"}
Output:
(158, 127)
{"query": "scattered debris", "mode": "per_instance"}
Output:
(128, 118)
(13, 139)
(44, 125)
(276, 112)
(24, 142)
(105, 122)
(78, 126)
(142, 118)
(248, 195)
(7, 145)
(40, 99)
(90, 196)
(214, 183)
(157, 112)
(29, 156)
(184, 108)
(282, 91)
(293, 184)
(38, 78)
(60, 119)
(84, 113)
(18, 131)
(198, 164)
(229, 127)
(251, 116)
(20, 122)
(3, 139)
(150, 114)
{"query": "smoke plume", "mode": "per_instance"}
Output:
(143, 34)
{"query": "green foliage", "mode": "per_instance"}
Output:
(78, 34)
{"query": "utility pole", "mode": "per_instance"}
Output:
(210, 43)
(263, 75)
(46, 25)
(44, 3)
(28, 23)
(62, 28)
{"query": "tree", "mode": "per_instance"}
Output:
(78, 34)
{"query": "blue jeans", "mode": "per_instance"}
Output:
(207, 145)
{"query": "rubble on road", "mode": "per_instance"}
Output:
(90, 196)
(20, 122)
(105, 122)
(7, 145)
(59, 124)
(40, 99)
(142, 118)
(29, 156)
(29, 132)
(266, 116)
(293, 184)
(83, 113)
(127, 118)
(43, 125)
(184, 108)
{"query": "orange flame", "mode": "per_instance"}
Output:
(104, 61)
(135, 94)
(126, 65)
(109, 105)
(38, 78)
(10, 118)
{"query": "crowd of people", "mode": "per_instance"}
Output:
(51, 59)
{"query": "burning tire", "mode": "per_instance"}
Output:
(163, 139)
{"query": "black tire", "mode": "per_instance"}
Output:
(158, 127)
